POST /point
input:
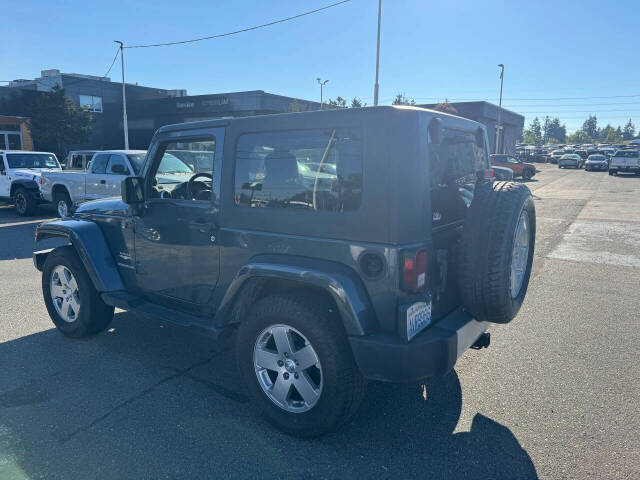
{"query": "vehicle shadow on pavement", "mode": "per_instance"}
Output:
(147, 400)
(410, 426)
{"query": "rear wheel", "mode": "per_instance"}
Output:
(297, 365)
(527, 174)
(72, 301)
(24, 203)
(63, 204)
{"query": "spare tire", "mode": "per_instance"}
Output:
(497, 247)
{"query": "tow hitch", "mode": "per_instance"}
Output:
(483, 341)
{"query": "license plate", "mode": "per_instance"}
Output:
(418, 317)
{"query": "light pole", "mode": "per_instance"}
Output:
(124, 99)
(375, 87)
(498, 148)
(322, 84)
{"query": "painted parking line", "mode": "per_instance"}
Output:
(608, 243)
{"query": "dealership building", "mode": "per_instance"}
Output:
(148, 108)
(487, 114)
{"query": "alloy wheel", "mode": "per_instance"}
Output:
(520, 254)
(65, 294)
(288, 368)
(63, 209)
(20, 202)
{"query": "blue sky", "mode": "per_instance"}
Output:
(429, 49)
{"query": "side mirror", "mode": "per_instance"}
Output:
(118, 169)
(132, 190)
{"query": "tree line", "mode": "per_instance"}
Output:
(400, 99)
(552, 131)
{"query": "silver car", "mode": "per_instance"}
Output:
(596, 162)
(570, 160)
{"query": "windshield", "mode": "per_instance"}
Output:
(626, 153)
(173, 165)
(597, 158)
(137, 161)
(32, 160)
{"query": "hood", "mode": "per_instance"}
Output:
(30, 173)
(106, 206)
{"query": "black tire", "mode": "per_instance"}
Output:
(527, 174)
(62, 196)
(24, 203)
(610, 173)
(94, 315)
(487, 250)
(343, 384)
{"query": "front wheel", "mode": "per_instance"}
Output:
(72, 301)
(527, 174)
(63, 204)
(24, 203)
(297, 366)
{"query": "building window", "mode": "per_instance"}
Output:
(93, 103)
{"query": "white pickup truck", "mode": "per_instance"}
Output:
(20, 172)
(105, 173)
(624, 161)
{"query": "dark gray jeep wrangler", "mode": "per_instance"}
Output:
(338, 246)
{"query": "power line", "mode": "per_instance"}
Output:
(256, 27)
(593, 111)
(112, 63)
(453, 100)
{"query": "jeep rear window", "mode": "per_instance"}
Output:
(307, 169)
(454, 163)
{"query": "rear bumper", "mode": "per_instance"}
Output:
(625, 168)
(384, 356)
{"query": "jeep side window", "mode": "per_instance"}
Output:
(99, 163)
(309, 169)
(186, 170)
(454, 164)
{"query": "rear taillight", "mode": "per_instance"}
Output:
(40, 180)
(415, 271)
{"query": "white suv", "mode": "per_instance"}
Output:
(19, 177)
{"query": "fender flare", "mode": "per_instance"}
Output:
(90, 245)
(29, 185)
(339, 281)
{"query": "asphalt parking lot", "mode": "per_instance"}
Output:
(555, 396)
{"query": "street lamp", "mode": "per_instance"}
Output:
(322, 84)
(498, 148)
(124, 99)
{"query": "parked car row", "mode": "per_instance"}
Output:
(622, 161)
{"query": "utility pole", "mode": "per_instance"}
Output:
(375, 87)
(322, 84)
(498, 148)
(124, 99)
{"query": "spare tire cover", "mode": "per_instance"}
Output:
(497, 249)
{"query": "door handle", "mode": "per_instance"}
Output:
(103, 182)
